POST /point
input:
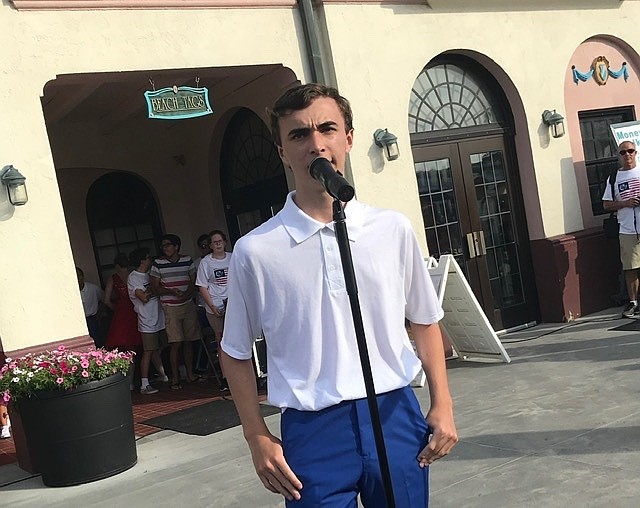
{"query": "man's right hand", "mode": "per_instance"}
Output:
(215, 311)
(635, 201)
(272, 468)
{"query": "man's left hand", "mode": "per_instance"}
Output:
(444, 436)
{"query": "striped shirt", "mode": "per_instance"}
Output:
(173, 275)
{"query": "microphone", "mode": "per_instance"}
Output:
(334, 183)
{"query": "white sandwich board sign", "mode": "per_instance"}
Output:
(464, 321)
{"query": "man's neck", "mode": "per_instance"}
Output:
(317, 205)
(174, 258)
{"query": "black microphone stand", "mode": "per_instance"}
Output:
(342, 236)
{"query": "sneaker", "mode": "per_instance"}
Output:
(148, 390)
(224, 386)
(162, 379)
(631, 310)
(5, 434)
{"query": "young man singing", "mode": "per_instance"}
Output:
(286, 281)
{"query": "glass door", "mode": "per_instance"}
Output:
(468, 210)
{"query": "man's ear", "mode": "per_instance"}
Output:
(349, 140)
(283, 157)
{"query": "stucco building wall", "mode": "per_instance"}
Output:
(379, 56)
(39, 299)
(377, 49)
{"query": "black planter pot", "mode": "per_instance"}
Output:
(80, 435)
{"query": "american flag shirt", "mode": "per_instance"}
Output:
(212, 274)
(627, 186)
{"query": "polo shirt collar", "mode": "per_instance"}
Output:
(301, 227)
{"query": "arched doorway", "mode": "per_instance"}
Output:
(461, 131)
(254, 185)
(122, 215)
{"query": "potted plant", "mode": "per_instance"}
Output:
(75, 409)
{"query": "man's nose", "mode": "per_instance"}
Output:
(317, 142)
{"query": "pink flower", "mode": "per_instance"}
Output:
(98, 363)
(84, 364)
(59, 380)
(74, 368)
(60, 348)
(6, 397)
(85, 373)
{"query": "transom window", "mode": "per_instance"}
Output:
(252, 157)
(254, 185)
(447, 96)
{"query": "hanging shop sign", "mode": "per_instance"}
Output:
(178, 102)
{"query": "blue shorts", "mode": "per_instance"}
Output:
(333, 452)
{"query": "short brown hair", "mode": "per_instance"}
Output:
(300, 97)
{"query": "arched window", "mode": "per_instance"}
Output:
(447, 96)
(254, 185)
(122, 215)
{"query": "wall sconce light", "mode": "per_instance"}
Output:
(555, 121)
(14, 181)
(389, 142)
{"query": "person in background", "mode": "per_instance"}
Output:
(201, 365)
(285, 280)
(150, 317)
(204, 247)
(123, 331)
(173, 279)
(212, 284)
(625, 202)
(91, 298)
(5, 433)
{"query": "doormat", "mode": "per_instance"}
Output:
(204, 419)
(632, 326)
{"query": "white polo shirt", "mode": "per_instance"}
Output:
(286, 280)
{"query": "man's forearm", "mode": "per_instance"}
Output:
(204, 293)
(614, 206)
(428, 340)
(157, 287)
(242, 383)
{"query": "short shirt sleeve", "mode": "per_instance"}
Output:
(155, 270)
(202, 275)
(422, 305)
(243, 315)
(607, 193)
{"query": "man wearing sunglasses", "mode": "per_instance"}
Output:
(625, 203)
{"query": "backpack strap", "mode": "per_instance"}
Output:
(612, 181)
